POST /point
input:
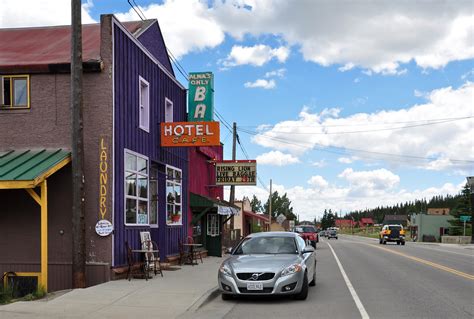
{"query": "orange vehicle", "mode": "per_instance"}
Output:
(392, 233)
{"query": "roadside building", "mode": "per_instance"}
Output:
(344, 223)
(429, 227)
(208, 212)
(438, 211)
(366, 222)
(395, 219)
(131, 181)
(249, 222)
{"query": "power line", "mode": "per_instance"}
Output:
(370, 124)
(325, 148)
(136, 11)
(369, 131)
(173, 59)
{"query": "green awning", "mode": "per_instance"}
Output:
(28, 168)
(205, 201)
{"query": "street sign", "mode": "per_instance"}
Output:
(281, 218)
(465, 218)
(190, 134)
(242, 172)
(201, 97)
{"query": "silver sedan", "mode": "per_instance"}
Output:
(270, 263)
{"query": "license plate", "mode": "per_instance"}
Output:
(254, 286)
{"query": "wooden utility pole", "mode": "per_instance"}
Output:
(270, 208)
(232, 187)
(234, 147)
(78, 195)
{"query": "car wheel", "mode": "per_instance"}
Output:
(380, 241)
(336, 237)
(313, 282)
(226, 296)
(384, 242)
(303, 294)
(398, 242)
(403, 243)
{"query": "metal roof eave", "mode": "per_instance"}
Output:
(39, 177)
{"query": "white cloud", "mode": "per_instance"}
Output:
(344, 160)
(376, 134)
(261, 83)
(187, 25)
(277, 158)
(369, 183)
(276, 73)
(33, 13)
(310, 202)
(318, 182)
(319, 164)
(378, 36)
(468, 74)
(256, 55)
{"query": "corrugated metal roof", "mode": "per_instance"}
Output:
(27, 165)
(39, 47)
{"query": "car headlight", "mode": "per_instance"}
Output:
(225, 270)
(291, 270)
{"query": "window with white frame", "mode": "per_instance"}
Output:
(173, 196)
(213, 225)
(168, 110)
(136, 189)
(144, 112)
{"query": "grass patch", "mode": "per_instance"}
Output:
(5, 295)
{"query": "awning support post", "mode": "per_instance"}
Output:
(42, 200)
(44, 236)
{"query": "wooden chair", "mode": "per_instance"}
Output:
(196, 251)
(152, 259)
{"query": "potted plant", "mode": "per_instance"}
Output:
(175, 217)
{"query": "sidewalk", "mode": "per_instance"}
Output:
(168, 297)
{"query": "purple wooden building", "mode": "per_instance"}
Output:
(130, 180)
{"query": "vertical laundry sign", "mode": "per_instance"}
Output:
(201, 97)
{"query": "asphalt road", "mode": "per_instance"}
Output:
(386, 281)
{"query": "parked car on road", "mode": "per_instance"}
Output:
(308, 233)
(269, 263)
(332, 233)
(392, 233)
(322, 233)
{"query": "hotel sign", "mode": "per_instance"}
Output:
(190, 134)
(236, 172)
(201, 97)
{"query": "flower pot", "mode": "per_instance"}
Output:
(175, 218)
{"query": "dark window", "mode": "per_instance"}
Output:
(15, 91)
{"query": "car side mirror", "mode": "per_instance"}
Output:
(308, 249)
(228, 251)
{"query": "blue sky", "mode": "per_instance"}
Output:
(316, 74)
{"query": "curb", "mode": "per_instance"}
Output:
(207, 297)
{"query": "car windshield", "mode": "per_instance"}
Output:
(395, 227)
(267, 245)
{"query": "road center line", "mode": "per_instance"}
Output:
(360, 306)
(426, 262)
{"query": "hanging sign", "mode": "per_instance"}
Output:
(190, 134)
(104, 228)
(236, 172)
(201, 97)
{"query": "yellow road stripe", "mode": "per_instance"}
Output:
(426, 262)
